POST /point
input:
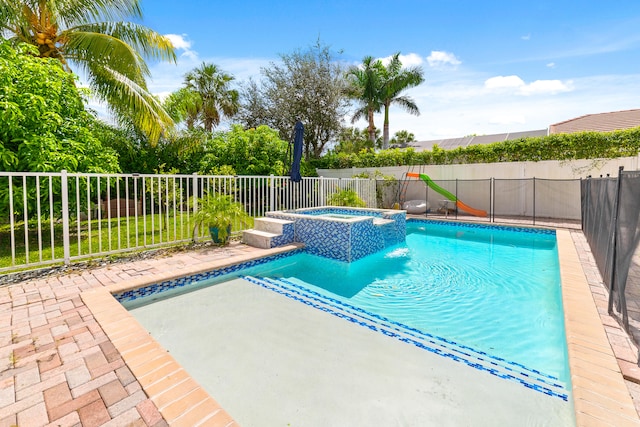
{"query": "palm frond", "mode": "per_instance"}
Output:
(84, 48)
(70, 13)
(407, 104)
(141, 39)
(127, 98)
(94, 35)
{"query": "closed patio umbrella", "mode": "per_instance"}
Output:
(297, 152)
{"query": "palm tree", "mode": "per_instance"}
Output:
(217, 98)
(395, 81)
(95, 37)
(184, 105)
(365, 83)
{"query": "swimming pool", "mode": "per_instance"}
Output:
(485, 296)
(493, 290)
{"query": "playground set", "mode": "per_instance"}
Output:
(447, 194)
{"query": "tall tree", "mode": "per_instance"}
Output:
(396, 80)
(184, 105)
(353, 141)
(216, 97)
(305, 85)
(45, 126)
(254, 107)
(96, 37)
(365, 86)
(402, 139)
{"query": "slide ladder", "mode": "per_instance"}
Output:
(447, 194)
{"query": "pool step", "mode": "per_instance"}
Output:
(269, 233)
(499, 367)
(382, 221)
(258, 239)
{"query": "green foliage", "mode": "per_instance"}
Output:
(257, 151)
(384, 198)
(402, 139)
(354, 140)
(221, 212)
(395, 81)
(346, 197)
(364, 85)
(164, 190)
(574, 146)
(96, 37)
(181, 151)
(45, 127)
(209, 97)
(183, 105)
(304, 85)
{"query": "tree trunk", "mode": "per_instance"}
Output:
(385, 129)
(372, 127)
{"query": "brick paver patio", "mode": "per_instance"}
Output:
(58, 368)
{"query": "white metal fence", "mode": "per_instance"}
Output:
(48, 218)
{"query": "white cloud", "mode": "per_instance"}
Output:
(551, 65)
(500, 82)
(409, 60)
(180, 42)
(519, 87)
(526, 37)
(546, 87)
(440, 58)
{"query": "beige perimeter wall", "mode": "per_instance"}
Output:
(561, 201)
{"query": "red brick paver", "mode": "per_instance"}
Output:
(57, 366)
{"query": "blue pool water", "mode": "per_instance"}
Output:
(496, 290)
(477, 289)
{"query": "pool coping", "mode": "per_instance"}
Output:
(600, 395)
(178, 397)
(599, 392)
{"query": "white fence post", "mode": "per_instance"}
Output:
(272, 193)
(66, 244)
(194, 196)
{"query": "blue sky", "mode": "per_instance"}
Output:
(490, 67)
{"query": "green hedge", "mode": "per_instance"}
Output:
(573, 146)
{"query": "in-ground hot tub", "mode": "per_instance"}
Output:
(343, 233)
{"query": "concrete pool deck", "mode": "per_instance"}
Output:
(64, 343)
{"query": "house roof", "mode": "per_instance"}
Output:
(601, 122)
(451, 143)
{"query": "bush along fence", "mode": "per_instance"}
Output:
(55, 218)
(611, 224)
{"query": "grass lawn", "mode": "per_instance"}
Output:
(92, 238)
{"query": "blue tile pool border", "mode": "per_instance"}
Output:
(185, 281)
(532, 230)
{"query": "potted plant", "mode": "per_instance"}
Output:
(220, 213)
